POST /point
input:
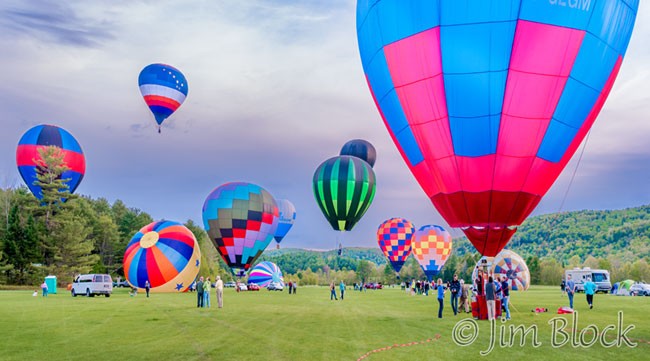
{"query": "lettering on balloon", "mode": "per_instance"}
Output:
(583, 5)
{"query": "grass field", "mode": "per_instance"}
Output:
(305, 326)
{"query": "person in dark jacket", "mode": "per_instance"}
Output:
(490, 297)
(199, 293)
(454, 287)
(505, 291)
(479, 283)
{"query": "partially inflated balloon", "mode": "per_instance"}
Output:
(166, 254)
(344, 187)
(241, 220)
(509, 264)
(488, 100)
(164, 89)
(287, 216)
(431, 246)
(361, 149)
(394, 238)
(39, 137)
(264, 273)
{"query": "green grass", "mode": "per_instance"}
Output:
(277, 326)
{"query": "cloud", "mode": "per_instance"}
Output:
(54, 22)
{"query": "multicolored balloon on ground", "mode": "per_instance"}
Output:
(39, 137)
(264, 273)
(487, 101)
(166, 254)
(431, 246)
(344, 187)
(164, 89)
(287, 216)
(394, 238)
(507, 263)
(241, 220)
(361, 149)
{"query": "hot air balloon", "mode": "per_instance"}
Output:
(394, 238)
(163, 88)
(431, 246)
(241, 220)
(344, 187)
(361, 149)
(507, 263)
(285, 220)
(488, 100)
(166, 254)
(41, 136)
(264, 273)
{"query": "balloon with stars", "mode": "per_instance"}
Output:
(166, 254)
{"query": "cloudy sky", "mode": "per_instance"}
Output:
(276, 87)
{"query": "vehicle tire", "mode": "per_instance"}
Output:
(107, 295)
(87, 292)
(74, 294)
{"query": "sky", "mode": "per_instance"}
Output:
(275, 88)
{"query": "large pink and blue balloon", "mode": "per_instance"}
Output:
(28, 156)
(164, 89)
(488, 100)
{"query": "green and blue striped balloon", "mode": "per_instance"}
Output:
(344, 187)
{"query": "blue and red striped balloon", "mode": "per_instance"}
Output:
(164, 89)
(488, 100)
(39, 137)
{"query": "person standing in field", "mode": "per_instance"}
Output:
(290, 287)
(479, 283)
(206, 292)
(199, 293)
(441, 296)
(490, 297)
(44, 289)
(570, 289)
(333, 292)
(454, 287)
(590, 290)
(464, 296)
(505, 291)
(295, 286)
(147, 287)
(342, 288)
(219, 287)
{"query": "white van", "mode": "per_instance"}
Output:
(598, 276)
(92, 284)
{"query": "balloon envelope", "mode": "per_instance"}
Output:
(166, 254)
(164, 89)
(287, 215)
(241, 219)
(41, 136)
(361, 149)
(431, 246)
(394, 238)
(344, 187)
(507, 263)
(264, 273)
(488, 100)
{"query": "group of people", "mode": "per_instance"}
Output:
(292, 287)
(570, 288)
(333, 291)
(203, 292)
(494, 289)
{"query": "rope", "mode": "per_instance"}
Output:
(398, 345)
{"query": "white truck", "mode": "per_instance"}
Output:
(598, 276)
(92, 284)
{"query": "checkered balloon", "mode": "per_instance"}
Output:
(394, 238)
(431, 246)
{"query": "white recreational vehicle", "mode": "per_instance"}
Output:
(598, 276)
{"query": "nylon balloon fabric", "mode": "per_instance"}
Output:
(361, 149)
(394, 239)
(166, 254)
(344, 188)
(241, 220)
(264, 273)
(287, 216)
(431, 246)
(28, 157)
(164, 88)
(510, 264)
(487, 101)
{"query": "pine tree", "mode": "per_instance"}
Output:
(54, 189)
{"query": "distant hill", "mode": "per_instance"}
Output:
(624, 234)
